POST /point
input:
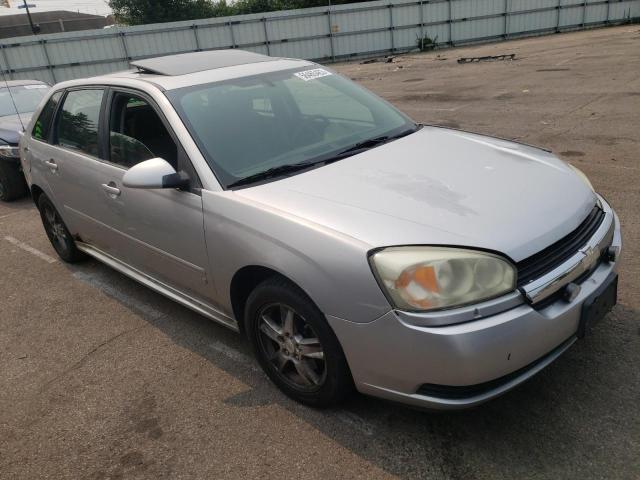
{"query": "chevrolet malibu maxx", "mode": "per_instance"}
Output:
(353, 247)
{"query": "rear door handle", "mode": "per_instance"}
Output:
(51, 163)
(111, 189)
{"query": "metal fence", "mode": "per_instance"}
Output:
(323, 33)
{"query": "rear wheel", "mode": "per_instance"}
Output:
(295, 346)
(12, 183)
(57, 232)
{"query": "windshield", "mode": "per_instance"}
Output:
(254, 124)
(26, 98)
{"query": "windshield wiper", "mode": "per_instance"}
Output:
(296, 167)
(368, 144)
(271, 172)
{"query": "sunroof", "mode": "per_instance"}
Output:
(185, 63)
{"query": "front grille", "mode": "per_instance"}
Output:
(551, 257)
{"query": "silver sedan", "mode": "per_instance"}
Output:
(353, 247)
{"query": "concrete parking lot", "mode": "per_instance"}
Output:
(101, 378)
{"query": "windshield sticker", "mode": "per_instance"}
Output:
(32, 87)
(312, 74)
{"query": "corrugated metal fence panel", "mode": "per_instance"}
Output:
(476, 19)
(571, 13)
(406, 17)
(214, 35)
(535, 15)
(624, 10)
(27, 55)
(90, 70)
(321, 33)
(595, 12)
(435, 14)
(88, 50)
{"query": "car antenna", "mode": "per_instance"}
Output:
(6, 83)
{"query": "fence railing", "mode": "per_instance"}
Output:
(322, 33)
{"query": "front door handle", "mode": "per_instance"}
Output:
(111, 189)
(51, 163)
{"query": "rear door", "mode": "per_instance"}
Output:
(37, 147)
(76, 172)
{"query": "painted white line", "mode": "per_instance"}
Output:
(234, 355)
(97, 282)
(356, 422)
(2, 217)
(30, 249)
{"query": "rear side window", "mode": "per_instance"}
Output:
(42, 127)
(78, 121)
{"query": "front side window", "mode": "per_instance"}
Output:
(42, 127)
(21, 99)
(136, 133)
(254, 124)
(78, 121)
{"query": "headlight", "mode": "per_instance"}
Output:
(7, 151)
(433, 278)
(582, 176)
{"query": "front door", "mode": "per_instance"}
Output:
(162, 229)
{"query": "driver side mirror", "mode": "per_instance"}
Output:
(154, 174)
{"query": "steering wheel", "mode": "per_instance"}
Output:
(308, 126)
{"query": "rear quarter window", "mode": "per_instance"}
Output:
(42, 127)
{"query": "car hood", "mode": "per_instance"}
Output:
(10, 127)
(443, 187)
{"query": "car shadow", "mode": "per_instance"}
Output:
(576, 418)
(16, 206)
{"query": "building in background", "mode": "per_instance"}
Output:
(52, 16)
(50, 22)
(92, 7)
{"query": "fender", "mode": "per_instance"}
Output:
(249, 233)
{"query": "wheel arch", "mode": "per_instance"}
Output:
(36, 192)
(245, 281)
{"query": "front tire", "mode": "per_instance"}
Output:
(12, 182)
(57, 231)
(295, 345)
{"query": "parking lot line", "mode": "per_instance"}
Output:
(30, 249)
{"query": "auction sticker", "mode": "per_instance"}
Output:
(312, 74)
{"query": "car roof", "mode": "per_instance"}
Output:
(20, 83)
(167, 73)
(185, 63)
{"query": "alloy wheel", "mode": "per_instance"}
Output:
(292, 347)
(56, 229)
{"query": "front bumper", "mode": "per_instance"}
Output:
(394, 358)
